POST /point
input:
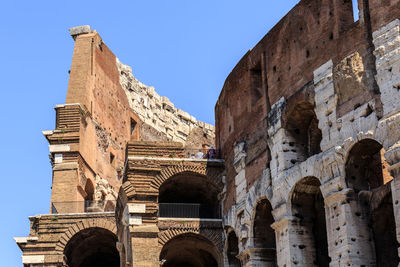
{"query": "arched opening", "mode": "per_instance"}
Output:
(189, 250)
(92, 247)
(308, 207)
(303, 132)
(233, 249)
(368, 176)
(264, 235)
(188, 195)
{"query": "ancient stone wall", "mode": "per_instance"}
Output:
(326, 169)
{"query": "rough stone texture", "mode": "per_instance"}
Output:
(308, 125)
(351, 94)
(160, 113)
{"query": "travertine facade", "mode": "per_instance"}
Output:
(321, 190)
(306, 171)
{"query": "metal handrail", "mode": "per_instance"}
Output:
(188, 210)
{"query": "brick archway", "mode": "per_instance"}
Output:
(82, 225)
(214, 236)
(209, 240)
(199, 169)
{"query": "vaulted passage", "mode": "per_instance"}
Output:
(303, 132)
(233, 250)
(189, 250)
(188, 195)
(93, 247)
(308, 207)
(367, 175)
(264, 235)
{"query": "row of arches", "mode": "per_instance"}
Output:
(96, 247)
(370, 201)
(187, 192)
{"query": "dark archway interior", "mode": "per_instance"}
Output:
(188, 195)
(308, 206)
(367, 175)
(264, 235)
(384, 231)
(188, 188)
(364, 166)
(302, 126)
(233, 250)
(93, 247)
(188, 250)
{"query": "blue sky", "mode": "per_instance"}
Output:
(185, 49)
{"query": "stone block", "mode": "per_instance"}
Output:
(74, 31)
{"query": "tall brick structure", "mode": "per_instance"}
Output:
(116, 138)
(305, 172)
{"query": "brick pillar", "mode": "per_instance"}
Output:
(348, 233)
(145, 249)
(258, 257)
(392, 156)
(65, 196)
(294, 243)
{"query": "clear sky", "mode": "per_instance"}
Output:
(185, 49)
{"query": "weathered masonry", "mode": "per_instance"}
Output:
(133, 176)
(305, 169)
(312, 149)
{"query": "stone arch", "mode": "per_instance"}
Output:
(304, 136)
(308, 210)
(92, 247)
(369, 183)
(81, 225)
(184, 246)
(292, 187)
(231, 248)
(213, 236)
(253, 213)
(349, 143)
(173, 170)
(263, 236)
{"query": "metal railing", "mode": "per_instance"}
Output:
(188, 210)
(202, 153)
(83, 206)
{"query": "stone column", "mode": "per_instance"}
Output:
(294, 243)
(258, 257)
(349, 238)
(392, 156)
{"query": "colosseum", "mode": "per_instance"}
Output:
(301, 169)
